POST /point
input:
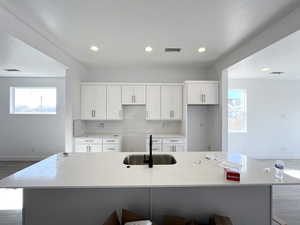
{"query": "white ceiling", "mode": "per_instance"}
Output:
(15, 54)
(122, 29)
(282, 56)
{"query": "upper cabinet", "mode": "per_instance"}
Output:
(114, 102)
(202, 92)
(171, 102)
(133, 95)
(153, 95)
(93, 102)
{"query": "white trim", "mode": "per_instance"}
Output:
(129, 83)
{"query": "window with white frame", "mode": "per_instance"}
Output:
(237, 110)
(33, 100)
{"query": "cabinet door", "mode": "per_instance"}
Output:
(81, 148)
(195, 94)
(171, 102)
(211, 93)
(168, 148)
(87, 102)
(133, 95)
(93, 102)
(140, 95)
(179, 148)
(114, 102)
(127, 95)
(153, 103)
(203, 94)
(95, 148)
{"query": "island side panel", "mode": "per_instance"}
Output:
(81, 206)
(246, 205)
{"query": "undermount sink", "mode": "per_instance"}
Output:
(142, 160)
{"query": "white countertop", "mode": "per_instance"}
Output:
(106, 170)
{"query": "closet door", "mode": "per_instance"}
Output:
(153, 95)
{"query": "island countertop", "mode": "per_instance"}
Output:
(106, 170)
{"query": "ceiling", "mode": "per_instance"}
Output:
(282, 56)
(122, 29)
(15, 54)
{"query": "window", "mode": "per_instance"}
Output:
(33, 100)
(237, 110)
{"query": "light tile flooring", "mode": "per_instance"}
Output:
(286, 199)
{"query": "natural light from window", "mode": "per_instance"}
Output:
(11, 199)
(237, 110)
(33, 100)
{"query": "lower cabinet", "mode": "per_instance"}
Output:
(98, 144)
(167, 144)
(173, 148)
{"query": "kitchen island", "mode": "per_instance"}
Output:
(84, 188)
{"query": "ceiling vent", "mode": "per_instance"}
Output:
(172, 49)
(11, 70)
(276, 73)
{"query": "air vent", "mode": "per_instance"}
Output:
(276, 73)
(172, 49)
(11, 70)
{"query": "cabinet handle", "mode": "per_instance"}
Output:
(204, 98)
(92, 113)
(134, 100)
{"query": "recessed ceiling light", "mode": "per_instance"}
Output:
(202, 49)
(94, 48)
(266, 69)
(148, 49)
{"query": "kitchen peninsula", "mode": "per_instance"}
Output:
(83, 188)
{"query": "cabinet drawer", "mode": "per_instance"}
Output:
(154, 141)
(83, 141)
(174, 140)
(173, 148)
(111, 140)
(111, 148)
(88, 148)
(155, 148)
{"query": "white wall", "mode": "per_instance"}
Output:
(155, 73)
(273, 112)
(31, 137)
(274, 32)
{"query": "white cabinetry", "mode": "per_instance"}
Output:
(167, 144)
(93, 102)
(133, 95)
(153, 94)
(88, 145)
(98, 144)
(202, 92)
(114, 102)
(171, 102)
